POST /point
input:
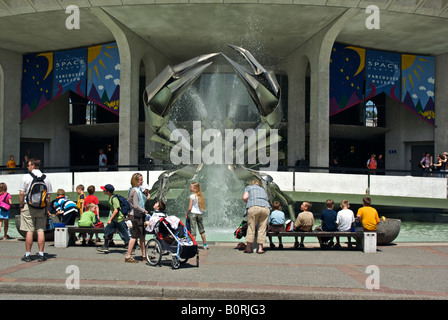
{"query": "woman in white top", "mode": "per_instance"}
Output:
(195, 210)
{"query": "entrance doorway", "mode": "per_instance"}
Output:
(417, 153)
(32, 150)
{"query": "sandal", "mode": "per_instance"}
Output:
(247, 251)
(130, 260)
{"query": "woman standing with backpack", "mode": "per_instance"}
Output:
(137, 215)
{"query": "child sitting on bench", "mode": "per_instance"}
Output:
(276, 223)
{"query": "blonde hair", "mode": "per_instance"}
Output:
(60, 192)
(90, 207)
(255, 181)
(198, 192)
(135, 178)
(345, 203)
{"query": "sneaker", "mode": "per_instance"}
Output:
(280, 246)
(27, 258)
(296, 245)
(205, 246)
(42, 258)
(103, 249)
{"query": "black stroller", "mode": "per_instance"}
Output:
(179, 243)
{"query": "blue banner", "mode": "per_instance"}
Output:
(37, 79)
(70, 72)
(347, 70)
(383, 74)
(103, 80)
(418, 78)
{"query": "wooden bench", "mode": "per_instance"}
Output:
(74, 229)
(359, 237)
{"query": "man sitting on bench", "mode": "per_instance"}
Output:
(304, 222)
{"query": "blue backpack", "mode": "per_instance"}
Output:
(124, 204)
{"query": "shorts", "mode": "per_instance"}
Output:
(276, 228)
(138, 227)
(4, 214)
(32, 219)
(196, 220)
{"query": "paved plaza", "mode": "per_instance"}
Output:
(394, 272)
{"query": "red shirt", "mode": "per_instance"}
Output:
(91, 199)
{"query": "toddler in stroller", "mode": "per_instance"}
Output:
(170, 237)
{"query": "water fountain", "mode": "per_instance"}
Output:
(223, 165)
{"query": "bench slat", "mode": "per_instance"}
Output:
(316, 234)
(84, 230)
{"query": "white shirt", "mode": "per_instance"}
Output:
(344, 219)
(195, 208)
(27, 179)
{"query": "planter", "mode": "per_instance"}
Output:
(390, 228)
(49, 233)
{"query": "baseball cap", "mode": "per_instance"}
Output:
(108, 187)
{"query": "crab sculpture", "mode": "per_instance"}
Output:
(161, 94)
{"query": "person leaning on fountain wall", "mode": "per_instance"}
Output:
(258, 209)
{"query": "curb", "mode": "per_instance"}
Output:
(173, 292)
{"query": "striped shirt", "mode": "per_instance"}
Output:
(65, 204)
(257, 197)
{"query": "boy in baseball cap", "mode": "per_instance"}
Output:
(115, 222)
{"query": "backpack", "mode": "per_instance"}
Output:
(37, 193)
(289, 225)
(241, 231)
(124, 204)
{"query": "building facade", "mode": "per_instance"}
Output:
(294, 38)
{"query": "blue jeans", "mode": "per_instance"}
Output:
(122, 229)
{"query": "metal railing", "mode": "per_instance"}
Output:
(281, 168)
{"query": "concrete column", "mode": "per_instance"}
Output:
(151, 74)
(132, 48)
(296, 70)
(318, 50)
(441, 101)
(129, 71)
(10, 105)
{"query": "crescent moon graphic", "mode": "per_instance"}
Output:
(362, 56)
(49, 56)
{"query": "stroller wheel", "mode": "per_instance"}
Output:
(175, 263)
(153, 252)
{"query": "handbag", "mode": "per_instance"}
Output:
(4, 205)
(99, 224)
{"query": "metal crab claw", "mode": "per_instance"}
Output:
(261, 85)
(161, 94)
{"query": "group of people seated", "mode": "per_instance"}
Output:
(342, 221)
